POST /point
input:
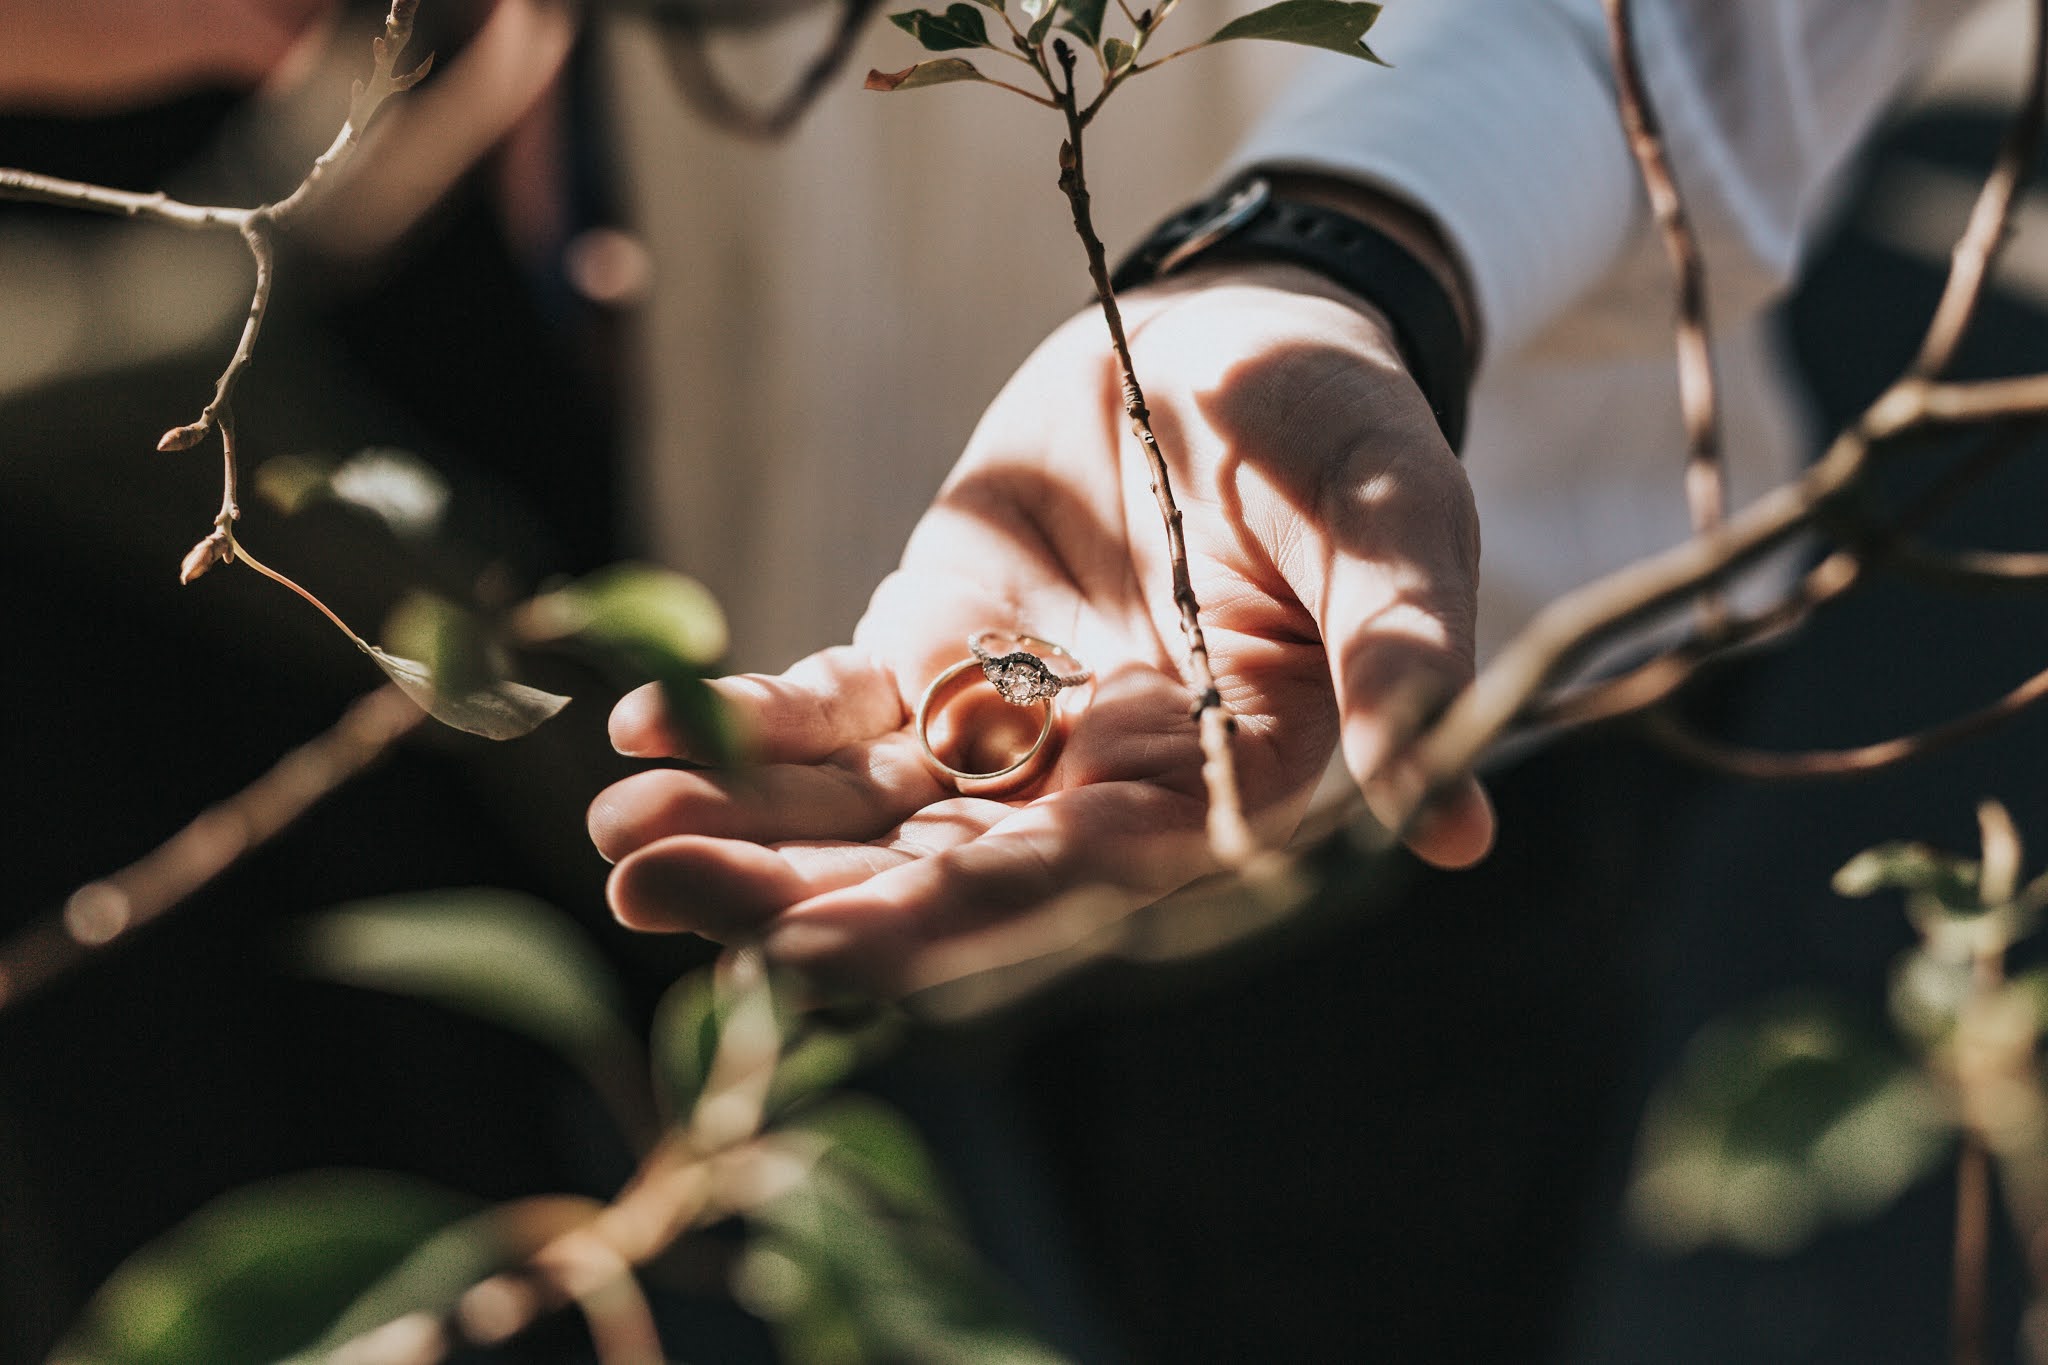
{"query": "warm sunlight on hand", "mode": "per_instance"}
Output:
(1334, 548)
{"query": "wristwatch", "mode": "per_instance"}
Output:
(1248, 222)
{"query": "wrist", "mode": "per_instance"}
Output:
(1407, 226)
(1375, 250)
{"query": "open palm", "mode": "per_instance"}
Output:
(1332, 544)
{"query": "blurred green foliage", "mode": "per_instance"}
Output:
(1796, 1114)
(853, 1250)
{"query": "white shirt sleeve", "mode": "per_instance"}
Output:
(1499, 120)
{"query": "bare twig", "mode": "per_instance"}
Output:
(1985, 233)
(116, 905)
(1567, 630)
(1705, 471)
(1230, 836)
(1738, 761)
(1989, 569)
(1664, 675)
(1984, 400)
(1972, 1253)
(717, 1164)
(255, 226)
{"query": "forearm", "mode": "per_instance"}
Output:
(1499, 122)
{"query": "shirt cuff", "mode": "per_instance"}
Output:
(1499, 122)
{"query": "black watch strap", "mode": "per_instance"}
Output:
(1247, 222)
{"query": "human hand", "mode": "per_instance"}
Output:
(1334, 548)
(93, 56)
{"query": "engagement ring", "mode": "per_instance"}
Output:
(1015, 666)
(1021, 676)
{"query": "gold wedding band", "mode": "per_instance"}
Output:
(1022, 678)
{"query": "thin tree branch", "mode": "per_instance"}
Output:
(1988, 569)
(1972, 1253)
(698, 1173)
(30, 187)
(1567, 630)
(1705, 467)
(1663, 676)
(1986, 400)
(1230, 836)
(1738, 761)
(114, 906)
(253, 224)
(365, 100)
(1985, 234)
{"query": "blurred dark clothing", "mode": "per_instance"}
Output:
(1406, 1139)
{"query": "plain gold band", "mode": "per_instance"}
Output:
(924, 707)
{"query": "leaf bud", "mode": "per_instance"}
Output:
(203, 556)
(182, 438)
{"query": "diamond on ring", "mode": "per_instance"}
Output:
(1019, 676)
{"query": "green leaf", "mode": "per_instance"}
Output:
(636, 604)
(653, 623)
(498, 955)
(960, 26)
(1041, 13)
(504, 710)
(434, 1277)
(863, 1261)
(2030, 990)
(1777, 1123)
(939, 71)
(1335, 25)
(819, 1051)
(826, 1054)
(259, 1273)
(1117, 54)
(1928, 991)
(1084, 20)
(1949, 879)
(813, 1312)
(685, 1039)
(291, 483)
(878, 1148)
(395, 486)
(449, 641)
